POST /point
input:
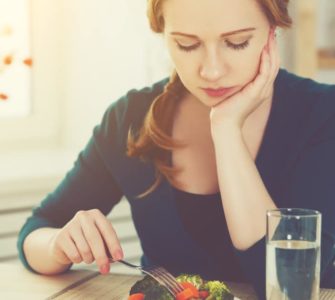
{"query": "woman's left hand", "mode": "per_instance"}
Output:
(235, 109)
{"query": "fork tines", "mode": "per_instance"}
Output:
(168, 280)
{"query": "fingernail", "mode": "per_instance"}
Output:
(118, 255)
(104, 269)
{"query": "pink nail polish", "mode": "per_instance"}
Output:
(118, 255)
(104, 269)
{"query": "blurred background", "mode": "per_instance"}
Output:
(63, 62)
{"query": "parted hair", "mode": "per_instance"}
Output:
(154, 142)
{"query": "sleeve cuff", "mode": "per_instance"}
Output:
(29, 227)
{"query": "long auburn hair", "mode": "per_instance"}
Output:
(154, 141)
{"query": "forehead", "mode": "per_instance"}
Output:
(205, 16)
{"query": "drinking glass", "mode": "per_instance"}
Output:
(293, 254)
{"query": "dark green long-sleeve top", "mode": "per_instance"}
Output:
(296, 161)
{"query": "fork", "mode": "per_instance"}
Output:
(160, 274)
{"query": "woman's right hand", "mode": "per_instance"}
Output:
(89, 236)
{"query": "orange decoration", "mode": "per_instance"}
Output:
(7, 30)
(28, 62)
(8, 59)
(3, 97)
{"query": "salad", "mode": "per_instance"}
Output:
(195, 288)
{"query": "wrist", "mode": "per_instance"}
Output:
(226, 130)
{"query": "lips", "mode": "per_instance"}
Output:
(217, 92)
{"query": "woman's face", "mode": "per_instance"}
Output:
(215, 44)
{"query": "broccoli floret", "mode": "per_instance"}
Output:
(196, 280)
(143, 285)
(217, 290)
(151, 289)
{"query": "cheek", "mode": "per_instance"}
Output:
(176, 57)
(184, 64)
(247, 64)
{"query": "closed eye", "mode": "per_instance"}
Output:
(188, 48)
(239, 46)
(229, 44)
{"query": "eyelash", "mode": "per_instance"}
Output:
(229, 44)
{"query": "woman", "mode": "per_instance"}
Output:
(201, 156)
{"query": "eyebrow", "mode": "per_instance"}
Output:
(221, 35)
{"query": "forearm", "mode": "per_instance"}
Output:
(36, 249)
(244, 196)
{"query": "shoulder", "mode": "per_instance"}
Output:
(111, 135)
(308, 90)
(130, 109)
(310, 103)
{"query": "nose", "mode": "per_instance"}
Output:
(213, 66)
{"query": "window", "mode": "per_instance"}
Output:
(15, 63)
(30, 93)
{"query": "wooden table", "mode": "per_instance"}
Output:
(16, 283)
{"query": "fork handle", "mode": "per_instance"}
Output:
(128, 264)
(123, 262)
